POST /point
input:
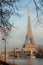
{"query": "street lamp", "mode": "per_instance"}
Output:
(5, 48)
(4, 36)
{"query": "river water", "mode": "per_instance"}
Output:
(23, 61)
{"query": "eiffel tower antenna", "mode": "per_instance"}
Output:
(29, 30)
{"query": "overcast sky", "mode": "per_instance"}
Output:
(18, 34)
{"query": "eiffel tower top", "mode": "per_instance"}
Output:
(29, 30)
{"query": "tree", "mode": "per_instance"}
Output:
(7, 7)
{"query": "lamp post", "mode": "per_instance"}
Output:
(4, 37)
(5, 48)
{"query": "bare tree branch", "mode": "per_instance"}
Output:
(37, 11)
(6, 10)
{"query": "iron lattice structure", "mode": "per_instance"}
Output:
(29, 36)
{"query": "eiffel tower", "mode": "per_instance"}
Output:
(29, 37)
(29, 44)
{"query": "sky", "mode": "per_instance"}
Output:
(16, 38)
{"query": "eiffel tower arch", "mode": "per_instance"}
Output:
(29, 44)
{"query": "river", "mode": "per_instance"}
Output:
(23, 61)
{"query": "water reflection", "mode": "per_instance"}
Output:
(29, 61)
(22, 61)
